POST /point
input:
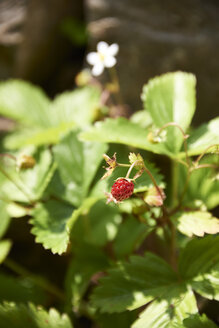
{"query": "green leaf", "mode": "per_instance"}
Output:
(87, 261)
(130, 235)
(171, 98)
(77, 164)
(203, 137)
(134, 284)
(19, 316)
(199, 266)
(169, 311)
(98, 226)
(32, 182)
(199, 256)
(49, 225)
(16, 210)
(142, 117)
(37, 137)
(20, 290)
(196, 321)
(78, 106)
(5, 246)
(122, 131)
(196, 223)
(203, 187)
(207, 284)
(24, 103)
(46, 122)
(4, 219)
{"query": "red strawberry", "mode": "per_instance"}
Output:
(122, 189)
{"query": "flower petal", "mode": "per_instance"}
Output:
(102, 47)
(93, 58)
(98, 69)
(109, 61)
(113, 49)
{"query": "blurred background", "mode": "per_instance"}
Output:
(45, 42)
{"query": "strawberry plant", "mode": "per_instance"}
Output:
(139, 243)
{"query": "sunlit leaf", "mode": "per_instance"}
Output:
(203, 137)
(196, 223)
(19, 316)
(196, 321)
(203, 186)
(171, 98)
(24, 103)
(122, 131)
(169, 311)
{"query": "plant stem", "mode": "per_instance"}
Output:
(39, 281)
(204, 152)
(173, 257)
(203, 166)
(175, 180)
(123, 165)
(115, 81)
(130, 169)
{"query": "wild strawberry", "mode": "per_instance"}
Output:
(122, 189)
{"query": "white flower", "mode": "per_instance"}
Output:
(104, 57)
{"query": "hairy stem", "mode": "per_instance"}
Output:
(204, 152)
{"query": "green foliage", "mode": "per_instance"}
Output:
(49, 225)
(122, 131)
(64, 198)
(5, 246)
(13, 289)
(30, 183)
(203, 137)
(171, 98)
(77, 165)
(125, 242)
(134, 284)
(197, 223)
(19, 316)
(168, 312)
(98, 225)
(23, 102)
(203, 185)
(199, 264)
(45, 121)
(196, 321)
(4, 219)
(88, 260)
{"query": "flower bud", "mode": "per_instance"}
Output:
(154, 197)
